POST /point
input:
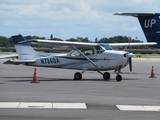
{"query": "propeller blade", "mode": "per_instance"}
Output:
(130, 64)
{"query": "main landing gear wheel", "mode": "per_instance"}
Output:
(106, 76)
(118, 78)
(77, 76)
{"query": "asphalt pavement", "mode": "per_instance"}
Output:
(58, 97)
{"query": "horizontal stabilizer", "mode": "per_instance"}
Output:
(8, 56)
(134, 14)
(17, 62)
(28, 41)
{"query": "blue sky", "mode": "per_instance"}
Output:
(73, 18)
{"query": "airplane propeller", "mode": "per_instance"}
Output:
(130, 55)
(130, 64)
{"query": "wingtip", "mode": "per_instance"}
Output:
(117, 13)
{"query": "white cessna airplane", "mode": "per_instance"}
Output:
(84, 56)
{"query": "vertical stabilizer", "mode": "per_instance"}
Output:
(25, 51)
(151, 28)
(150, 23)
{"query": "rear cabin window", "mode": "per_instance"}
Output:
(84, 51)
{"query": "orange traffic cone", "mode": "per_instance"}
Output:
(152, 73)
(35, 78)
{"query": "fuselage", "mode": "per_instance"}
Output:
(105, 60)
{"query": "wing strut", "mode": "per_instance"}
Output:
(85, 57)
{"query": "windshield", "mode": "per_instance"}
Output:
(99, 49)
(106, 46)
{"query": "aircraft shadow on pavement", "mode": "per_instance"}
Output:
(44, 79)
(40, 79)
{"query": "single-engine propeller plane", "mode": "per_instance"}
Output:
(83, 56)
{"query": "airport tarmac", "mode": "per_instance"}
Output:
(59, 97)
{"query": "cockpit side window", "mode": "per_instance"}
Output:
(99, 49)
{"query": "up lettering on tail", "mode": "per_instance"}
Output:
(148, 23)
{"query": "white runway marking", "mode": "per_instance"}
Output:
(35, 105)
(9, 104)
(43, 105)
(69, 105)
(138, 108)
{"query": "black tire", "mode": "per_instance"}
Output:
(106, 76)
(118, 78)
(77, 76)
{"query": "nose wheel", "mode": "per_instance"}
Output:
(118, 78)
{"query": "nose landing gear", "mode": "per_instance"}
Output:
(118, 77)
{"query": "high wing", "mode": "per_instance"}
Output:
(132, 44)
(53, 43)
(80, 45)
